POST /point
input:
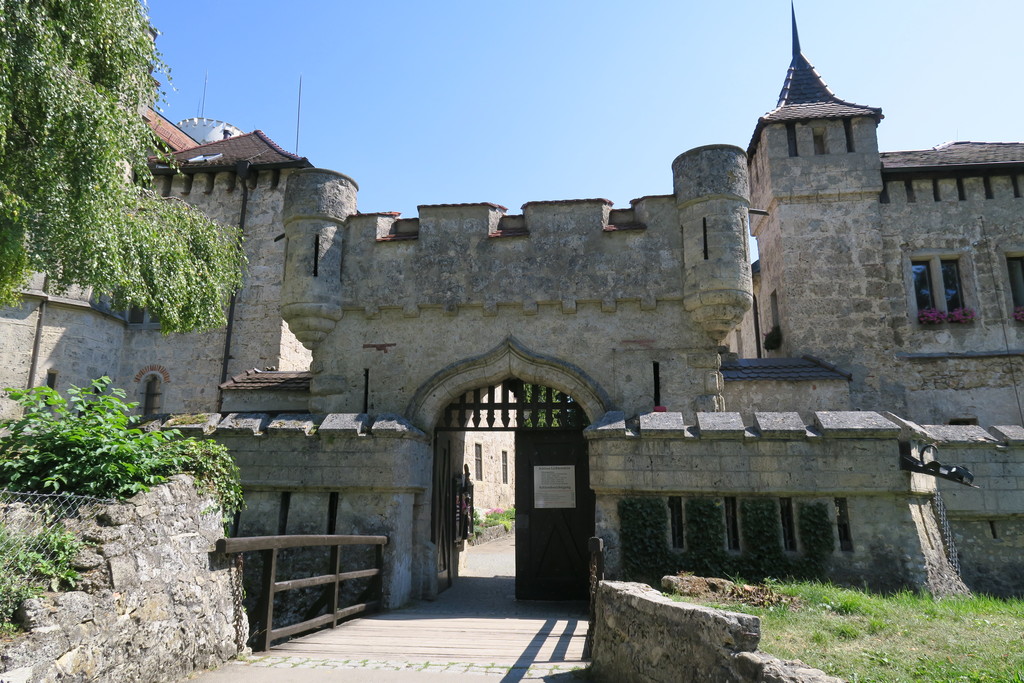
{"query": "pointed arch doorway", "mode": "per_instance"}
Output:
(553, 500)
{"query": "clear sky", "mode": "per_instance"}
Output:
(447, 101)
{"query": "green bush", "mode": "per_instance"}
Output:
(33, 563)
(86, 445)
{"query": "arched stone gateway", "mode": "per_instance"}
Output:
(544, 468)
(509, 359)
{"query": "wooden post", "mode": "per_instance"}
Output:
(335, 590)
(269, 578)
(596, 546)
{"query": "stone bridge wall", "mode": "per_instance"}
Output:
(642, 636)
(154, 603)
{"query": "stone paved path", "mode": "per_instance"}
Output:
(475, 629)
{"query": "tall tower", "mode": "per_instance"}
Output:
(814, 167)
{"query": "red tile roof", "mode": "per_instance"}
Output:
(175, 138)
(223, 155)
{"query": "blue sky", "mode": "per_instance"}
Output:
(438, 101)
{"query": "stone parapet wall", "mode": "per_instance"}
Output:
(847, 460)
(642, 636)
(842, 452)
(155, 602)
(987, 522)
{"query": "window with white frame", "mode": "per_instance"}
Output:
(937, 283)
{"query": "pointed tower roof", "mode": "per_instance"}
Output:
(805, 96)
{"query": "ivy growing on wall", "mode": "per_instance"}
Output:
(646, 555)
(816, 538)
(644, 532)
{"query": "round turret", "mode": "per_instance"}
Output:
(712, 193)
(316, 203)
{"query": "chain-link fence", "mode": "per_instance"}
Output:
(37, 547)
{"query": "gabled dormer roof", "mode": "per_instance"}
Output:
(805, 97)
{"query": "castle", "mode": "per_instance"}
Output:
(632, 352)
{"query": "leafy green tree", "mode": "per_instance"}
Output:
(73, 76)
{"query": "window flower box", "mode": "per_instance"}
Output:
(1018, 314)
(961, 316)
(931, 316)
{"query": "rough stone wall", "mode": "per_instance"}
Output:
(19, 328)
(824, 256)
(259, 338)
(155, 602)
(77, 341)
(847, 455)
(642, 636)
(747, 397)
(987, 522)
(82, 341)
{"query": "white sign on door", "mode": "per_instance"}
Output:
(554, 486)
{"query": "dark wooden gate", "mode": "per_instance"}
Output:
(554, 515)
(554, 503)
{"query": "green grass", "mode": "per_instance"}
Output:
(892, 639)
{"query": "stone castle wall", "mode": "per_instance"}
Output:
(491, 491)
(661, 282)
(987, 522)
(844, 455)
(357, 474)
(155, 602)
(836, 251)
(82, 340)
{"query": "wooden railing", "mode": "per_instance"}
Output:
(268, 546)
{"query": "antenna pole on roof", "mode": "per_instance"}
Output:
(202, 104)
(298, 116)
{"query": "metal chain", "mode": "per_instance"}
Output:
(947, 532)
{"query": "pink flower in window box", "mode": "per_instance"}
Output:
(1018, 314)
(962, 316)
(931, 316)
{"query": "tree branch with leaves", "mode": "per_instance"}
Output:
(73, 76)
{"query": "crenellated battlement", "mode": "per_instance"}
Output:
(689, 246)
(537, 217)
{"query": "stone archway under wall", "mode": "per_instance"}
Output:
(509, 359)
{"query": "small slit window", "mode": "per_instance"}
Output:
(732, 524)
(843, 525)
(788, 524)
(676, 522)
(819, 141)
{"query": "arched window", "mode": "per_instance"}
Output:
(151, 398)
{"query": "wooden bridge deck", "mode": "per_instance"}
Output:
(476, 621)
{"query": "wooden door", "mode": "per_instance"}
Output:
(443, 513)
(554, 515)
